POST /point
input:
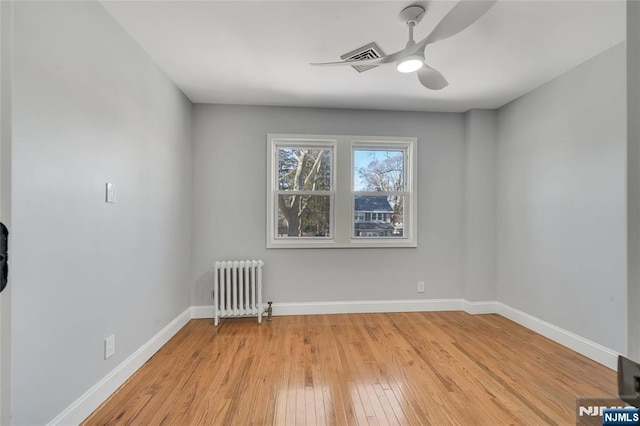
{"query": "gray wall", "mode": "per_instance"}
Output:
(229, 206)
(480, 226)
(90, 107)
(6, 35)
(562, 201)
(633, 188)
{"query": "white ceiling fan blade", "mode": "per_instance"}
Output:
(431, 78)
(460, 17)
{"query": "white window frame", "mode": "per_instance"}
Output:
(342, 213)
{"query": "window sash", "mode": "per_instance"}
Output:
(405, 192)
(304, 145)
(277, 192)
(403, 147)
(375, 217)
(292, 238)
(301, 143)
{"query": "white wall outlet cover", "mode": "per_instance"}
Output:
(110, 193)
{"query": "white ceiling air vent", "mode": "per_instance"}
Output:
(370, 51)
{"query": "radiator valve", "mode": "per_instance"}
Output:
(269, 311)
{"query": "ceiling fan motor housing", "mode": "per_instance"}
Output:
(412, 15)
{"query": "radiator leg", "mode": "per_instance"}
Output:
(216, 290)
(258, 285)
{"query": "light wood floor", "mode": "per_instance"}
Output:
(401, 368)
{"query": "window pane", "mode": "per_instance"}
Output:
(304, 216)
(378, 170)
(378, 217)
(304, 169)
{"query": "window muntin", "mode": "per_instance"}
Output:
(313, 183)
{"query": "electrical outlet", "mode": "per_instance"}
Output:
(420, 286)
(109, 346)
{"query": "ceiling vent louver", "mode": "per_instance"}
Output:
(370, 51)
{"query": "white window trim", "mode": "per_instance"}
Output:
(342, 206)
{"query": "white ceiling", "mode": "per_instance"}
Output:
(258, 53)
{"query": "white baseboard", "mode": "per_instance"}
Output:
(476, 308)
(367, 306)
(87, 403)
(202, 312)
(352, 307)
(593, 350)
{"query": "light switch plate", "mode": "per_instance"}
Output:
(109, 346)
(111, 193)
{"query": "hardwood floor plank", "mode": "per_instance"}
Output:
(428, 368)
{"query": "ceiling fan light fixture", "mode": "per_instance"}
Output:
(409, 64)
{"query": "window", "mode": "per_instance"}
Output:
(380, 187)
(304, 190)
(340, 191)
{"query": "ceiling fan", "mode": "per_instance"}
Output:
(411, 58)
